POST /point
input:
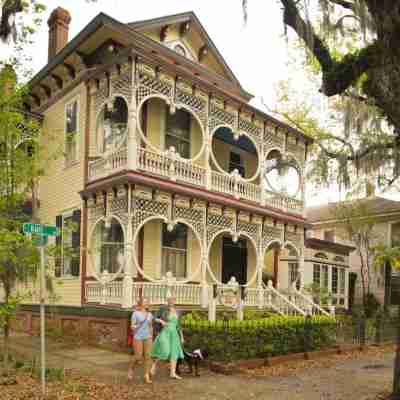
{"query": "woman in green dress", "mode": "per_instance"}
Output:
(167, 345)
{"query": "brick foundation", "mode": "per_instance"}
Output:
(94, 326)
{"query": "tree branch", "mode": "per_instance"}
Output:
(337, 76)
(343, 3)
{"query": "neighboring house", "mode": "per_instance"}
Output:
(175, 182)
(386, 231)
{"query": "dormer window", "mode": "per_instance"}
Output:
(180, 50)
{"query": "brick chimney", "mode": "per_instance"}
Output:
(58, 30)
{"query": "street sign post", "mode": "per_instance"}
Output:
(40, 234)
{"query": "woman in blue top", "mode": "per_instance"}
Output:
(142, 332)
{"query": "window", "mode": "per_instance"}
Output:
(180, 50)
(294, 274)
(107, 247)
(334, 280)
(317, 274)
(71, 132)
(329, 235)
(178, 132)
(68, 243)
(342, 280)
(321, 255)
(325, 278)
(113, 125)
(236, 162)
(174, 250)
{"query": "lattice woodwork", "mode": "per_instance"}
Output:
(270, 233)
(123, 84)
(273, 138)
(250, 128)
(220, 117)
(196, 104)
(251, 229)
(144, 208)
(216, 223)
(151, 85)
(95, 212)
(195, 217)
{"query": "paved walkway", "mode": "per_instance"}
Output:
(339, 377)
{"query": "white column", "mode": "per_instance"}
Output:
(301, 269)
(205, 292)
(330, 283)
(127, 283)
(208, 160)
(132, 141)
(346, 288)
(212, 309)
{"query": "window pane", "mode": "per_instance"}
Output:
(317, 274)
(342, 280)
(334, 280)
(71, 117)
(174, 250)
(178, 124)
(325, 276)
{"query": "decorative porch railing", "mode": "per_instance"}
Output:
(157, 293)
(305, 303)
(109, 293)
(278, 302)
(171, 166)
(105, 166)
(292, 303)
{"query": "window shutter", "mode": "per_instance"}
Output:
(76, 243)
(57, 261)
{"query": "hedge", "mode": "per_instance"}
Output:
(233, 339)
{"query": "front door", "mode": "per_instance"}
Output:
(234, 260)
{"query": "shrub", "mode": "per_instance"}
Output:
(233, 339)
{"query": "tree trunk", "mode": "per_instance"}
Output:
(396, 372)
(6, 345)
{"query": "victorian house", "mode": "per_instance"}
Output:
(177, 184)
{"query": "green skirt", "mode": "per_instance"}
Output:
(167, 345)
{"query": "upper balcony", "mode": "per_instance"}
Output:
(194, 139)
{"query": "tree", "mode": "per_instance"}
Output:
(350, 44)
(18, 169)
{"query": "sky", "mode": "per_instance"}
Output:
(256, 52)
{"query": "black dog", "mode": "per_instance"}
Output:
(192, 360)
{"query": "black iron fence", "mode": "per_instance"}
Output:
(230, 339)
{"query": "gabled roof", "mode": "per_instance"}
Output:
(376, 206)
(186, 17)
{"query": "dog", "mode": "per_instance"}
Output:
(192, 359)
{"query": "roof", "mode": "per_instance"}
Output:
(138, 40)
(319, 244)
(376, 205)
(184, 17)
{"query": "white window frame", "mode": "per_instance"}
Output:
(63, 275)
(69, 163)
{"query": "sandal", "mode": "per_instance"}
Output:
(177, 377)
(130, 375)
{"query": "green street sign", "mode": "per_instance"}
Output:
(42, 230)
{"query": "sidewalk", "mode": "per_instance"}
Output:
(360, 377)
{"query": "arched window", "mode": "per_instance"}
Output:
(107, 246)
(180, 50)
(339, 259)
(321, 255)
(112, 125)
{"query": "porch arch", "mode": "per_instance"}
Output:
(163, 219)
(234, 235)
